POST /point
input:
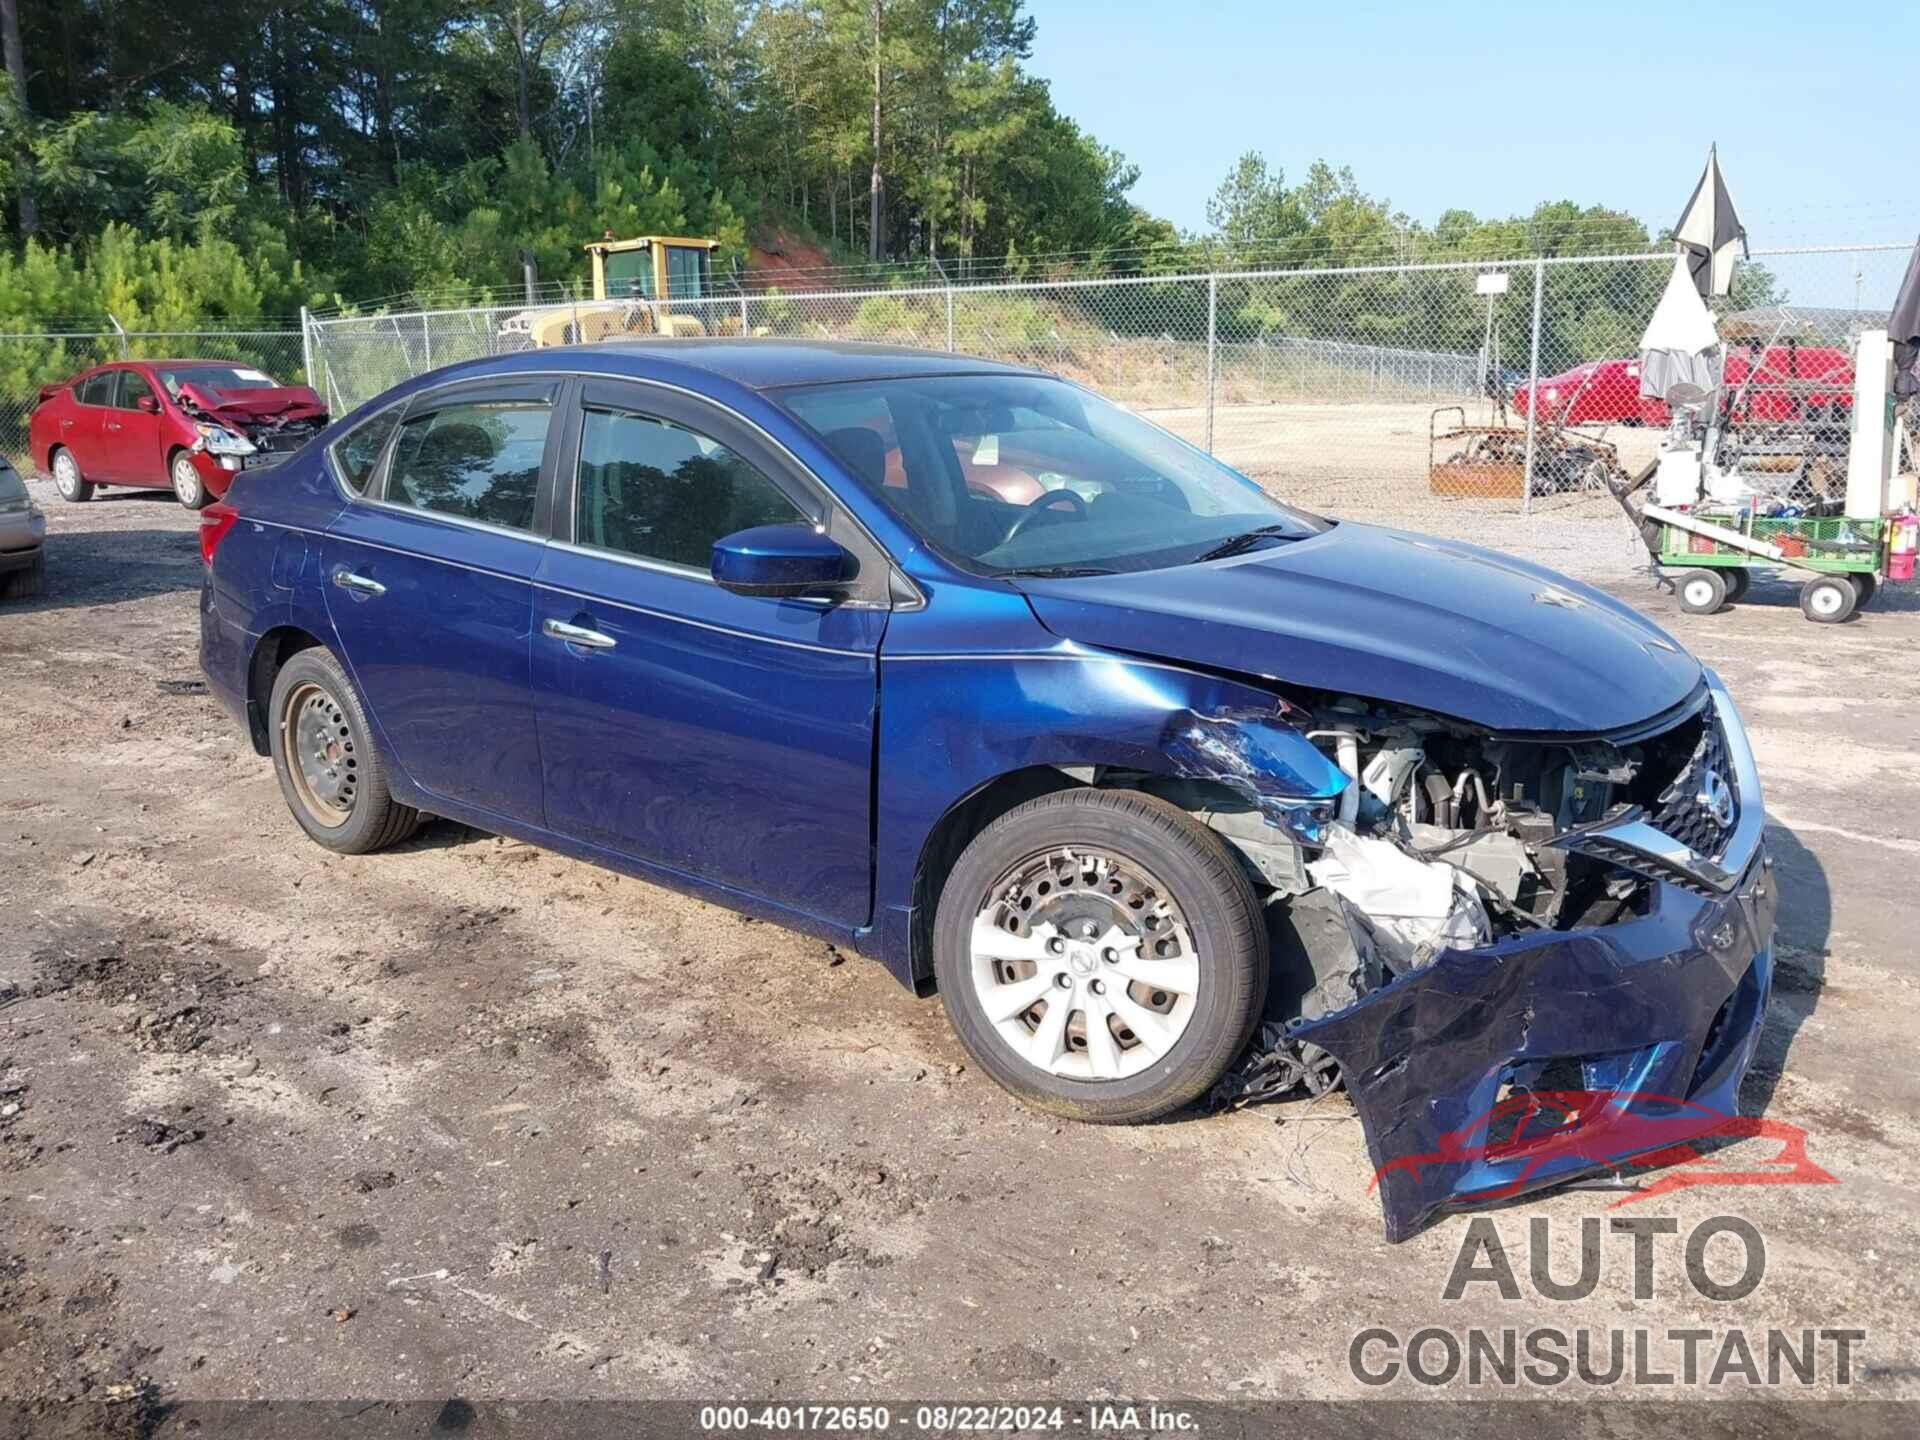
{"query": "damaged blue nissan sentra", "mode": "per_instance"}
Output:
(1171, 791)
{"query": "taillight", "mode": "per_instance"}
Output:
(215, 521)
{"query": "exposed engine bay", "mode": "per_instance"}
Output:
(276, 421)
(1444, 837)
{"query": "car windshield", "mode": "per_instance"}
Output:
(1019, 474)
(215, 377)
(11, 487)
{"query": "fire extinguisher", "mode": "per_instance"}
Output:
(1903, 540)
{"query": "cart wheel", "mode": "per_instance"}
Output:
(1703, 592)
(1739, 581)
(1828, 600)
(1865, 586)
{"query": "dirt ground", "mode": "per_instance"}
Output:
(472, 1120)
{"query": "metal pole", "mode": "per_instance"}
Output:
(1213, 347)
(119, 330)
(744, 330)
(426, 337)
(1533, 388)
(949, 319)
(306, 345)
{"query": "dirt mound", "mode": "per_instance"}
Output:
(782, 258)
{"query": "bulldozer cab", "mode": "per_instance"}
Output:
(652, 267)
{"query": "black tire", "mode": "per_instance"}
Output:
(1702, 591)
(188, 488)
(1865, 586)
(25, 584)
(1211, 891)
(370, 819)
(1829, 599)
(68, 482)
(1739, 581)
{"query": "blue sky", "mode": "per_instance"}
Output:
(1494, 106)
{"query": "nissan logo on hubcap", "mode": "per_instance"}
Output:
(1716, 798)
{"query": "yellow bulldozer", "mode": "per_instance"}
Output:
(636, 285)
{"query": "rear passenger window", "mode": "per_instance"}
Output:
(656, 490)
(478, 461)
(96, 389)
(358, 451)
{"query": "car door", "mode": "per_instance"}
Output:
(722, 736)
(81, 430)
(130, 436)
(428, 582)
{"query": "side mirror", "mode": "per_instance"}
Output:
(149, 403)
(777, 560)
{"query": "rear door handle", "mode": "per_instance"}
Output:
(347, 580)
(579, 635)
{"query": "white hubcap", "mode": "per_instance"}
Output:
(66, 475)
(1827, 600)
(186, 481)
(1083, 966)
(1700, 592)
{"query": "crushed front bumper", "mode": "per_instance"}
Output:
(1656, 1018)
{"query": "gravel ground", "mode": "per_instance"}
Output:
(472, 1120)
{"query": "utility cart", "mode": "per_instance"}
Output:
(1713, 524)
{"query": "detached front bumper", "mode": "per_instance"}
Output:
(1649, 1025)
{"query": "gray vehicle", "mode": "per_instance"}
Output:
(23, 533)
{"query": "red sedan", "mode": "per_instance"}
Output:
(188, 424)
(1810, 382)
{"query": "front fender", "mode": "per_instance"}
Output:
(952, 722)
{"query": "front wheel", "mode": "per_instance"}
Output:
(67, 479)
(333, 778)
(188, 488)
(1101, 955)
(1702, 592)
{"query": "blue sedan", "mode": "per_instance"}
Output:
(1169, 790)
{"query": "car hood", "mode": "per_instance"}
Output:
(1433, 624)
(252, 406)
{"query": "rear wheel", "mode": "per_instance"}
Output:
(1864, 587)
(1101, 955)
(1739, 581)
(1702, 592)
(332, 777)
(68, 480)
(1828, 600)
(188, 488)
(23, 584)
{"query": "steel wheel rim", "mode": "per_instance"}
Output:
(1084, 965)
(1827, 600)
(1699, 592)
(186, 481)
(66, 475)
(318, 743)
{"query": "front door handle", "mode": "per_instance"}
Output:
(347, 580)
(579, 635)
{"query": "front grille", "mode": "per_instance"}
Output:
(1627, 858)
(283, 442)
(1679, 810)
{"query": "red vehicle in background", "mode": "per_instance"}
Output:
(1789, 382)
(186, 424)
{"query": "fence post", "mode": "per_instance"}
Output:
(949, 319)
(121, 331)
(745, 329)
(306, 346)
(1213, 346)
(426, 336)
(1533, 388)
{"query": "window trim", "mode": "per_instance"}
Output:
(901, 590)
(816, 502)
(554, 391)
(122, 376)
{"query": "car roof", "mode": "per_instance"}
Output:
(768, 364)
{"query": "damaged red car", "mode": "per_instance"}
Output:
(188, 425)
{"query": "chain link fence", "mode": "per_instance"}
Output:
(1404, 394)
(29, 361)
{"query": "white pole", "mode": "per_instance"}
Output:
(1533, 389)
(306, 346)
(1213, 307)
